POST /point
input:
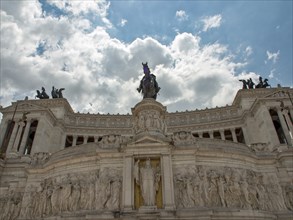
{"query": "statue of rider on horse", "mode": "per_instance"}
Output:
(148, 84)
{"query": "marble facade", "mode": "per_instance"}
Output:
(233, 162)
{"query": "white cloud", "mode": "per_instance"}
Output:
(272, 73)
(248, 50)
(95, 68)
(273, 56)
(122, 22)
(212, 22)
(83, 8)
(181, 15)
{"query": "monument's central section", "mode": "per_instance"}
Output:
(232, 162)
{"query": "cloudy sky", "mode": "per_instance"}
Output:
(94, 49)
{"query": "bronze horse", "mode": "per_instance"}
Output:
(148, 84)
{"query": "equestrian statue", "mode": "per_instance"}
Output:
(148, 84)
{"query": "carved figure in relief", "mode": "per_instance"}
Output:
(188, 194)
(75, 197)
(262, 193)
(213, 189)
(141, 122)
(245, 203)
(65, 193)
(27, 203)
(10, 205)
(197, 191)
(276, 195)
(110, 141)
(157, 122)
(49, 191)
(84, 193)
(221, 189)
(179, 190)
(55, 200)
(115, 190)
(42, 199)
(204, 185)
(148, 121)
(233, 192)
(104, 192)
(148, 181)
(183, 138)
(288, 196)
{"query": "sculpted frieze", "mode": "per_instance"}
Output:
(149, 120)
(183, 138)
(259, 147)
(38, 159)
(98, 121)
(110, 141)
(10, 204)
(94, 190)
(198, 186)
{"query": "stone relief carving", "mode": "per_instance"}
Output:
(183, 138)
(39, 158)
(149, 121)
(10, 204)
(99, 189)
(197, 186)
(259, 147)
(110, 141)
(288, 195)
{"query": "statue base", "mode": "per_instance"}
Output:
(147, 208)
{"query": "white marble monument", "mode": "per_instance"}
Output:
(232, 162)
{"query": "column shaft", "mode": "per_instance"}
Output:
(284, 126)
(222, 135)
(25, 136)
(12, 137)
(233, 135)
(18, 136)
(74, 140)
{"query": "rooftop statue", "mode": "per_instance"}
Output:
(249, 84)
(42, 95)
(148, 84)
(57, 93)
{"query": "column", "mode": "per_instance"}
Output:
(291, 113)
(211, 133)
(96, 139)
(85, 139)
(21, 124)
(200, 134)
(127, 193)
(233, 135)
(222, 135)
(245, 135)
(12, 137)
(74, 140)
(3, 130)
(24, 137)
(289, 123)
(284, 126)
(64, 140)
(168, 187)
